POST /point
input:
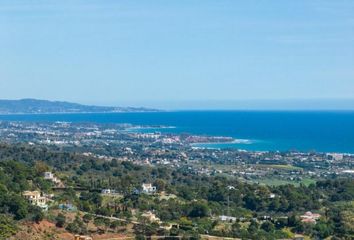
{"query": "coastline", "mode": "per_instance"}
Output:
(267, 131)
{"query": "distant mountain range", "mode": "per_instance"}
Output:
(34, 106)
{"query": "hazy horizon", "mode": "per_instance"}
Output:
(249, 104)
(241, 104)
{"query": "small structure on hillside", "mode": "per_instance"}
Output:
(50, 177)
(224, 218)
(35, 198)
(310, 217)
(148, 188)
(151, 217)
(108, 191)
(299, 237)
(78, 237)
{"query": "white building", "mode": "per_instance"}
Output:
(50, 176)
(148, 188)
(310, 217)
(336, 156)
(272, 195)
(227, 218)
(35, 198)
(108, 191)
(78, 237)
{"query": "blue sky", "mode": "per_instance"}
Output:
(173, 53)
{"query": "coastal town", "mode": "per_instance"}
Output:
(153, 145)
(121, 181)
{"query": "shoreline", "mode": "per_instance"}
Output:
(256, 136)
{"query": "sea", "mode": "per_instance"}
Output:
(321, 131)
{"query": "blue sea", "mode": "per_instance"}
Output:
(330, 131)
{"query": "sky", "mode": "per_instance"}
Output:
(178, 54)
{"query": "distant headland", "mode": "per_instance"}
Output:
(35, 106)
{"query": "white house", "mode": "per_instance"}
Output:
(50, 176)
(227, 218)
(35, 198)
(272, 195)
(108, 191)
(148, 188)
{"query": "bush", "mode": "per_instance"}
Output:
(7, 227)
(60, 220)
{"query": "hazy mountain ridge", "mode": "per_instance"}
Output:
(31, 106)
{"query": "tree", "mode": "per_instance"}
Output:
(87, 218)
(38, 216)
(268, 226)
(323, 230)
(60, 220)
(160, 185)
(274, 205)
(236, 229)
(251, 202)
(73, 228)
(77, 226)
(114, 163)
(139, 237)
(18, 206)
(107, 223)
(293, 221)
(7, 227)
(281, 223)
(199, 210)
(41, 167)
(253, 227)
(98, 221)
(115, 224)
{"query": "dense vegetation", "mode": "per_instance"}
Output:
(16, 177)
(196, 203)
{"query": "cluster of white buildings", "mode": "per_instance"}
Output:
(39, 199)
(336, 156)
(146, 188)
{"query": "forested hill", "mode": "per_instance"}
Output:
(194, 201)
(31, 106)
